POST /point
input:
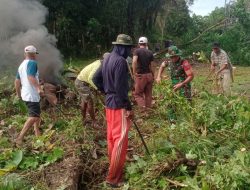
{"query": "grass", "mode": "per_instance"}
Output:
(204, 81)
(209, 131)
(78, 63)
(241, 83)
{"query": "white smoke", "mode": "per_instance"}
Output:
(22, 24)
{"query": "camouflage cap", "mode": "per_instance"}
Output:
(173, 51)
(123, 39)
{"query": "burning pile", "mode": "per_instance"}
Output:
(57, 94)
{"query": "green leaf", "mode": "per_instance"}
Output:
(12, 164)
(38, 143)
(163, 183)
(189, 155)
(17, 157)
(102, 143)
(141, 163)
(205, 185)
(56, 154)
(29, 163)
(132, 169)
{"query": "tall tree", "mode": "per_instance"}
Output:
(81, 25)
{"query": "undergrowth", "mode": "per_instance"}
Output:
(206, 148)
(212, 129)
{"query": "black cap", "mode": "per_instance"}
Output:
(216, 45)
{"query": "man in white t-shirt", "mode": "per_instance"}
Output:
(28, 89)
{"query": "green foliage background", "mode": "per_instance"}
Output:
(81, 27)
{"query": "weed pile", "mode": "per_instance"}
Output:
(207, 147)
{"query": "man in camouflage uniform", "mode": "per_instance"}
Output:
(180, 71)
(181, 75)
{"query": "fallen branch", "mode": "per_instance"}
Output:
(176, 183)
(211, 27)
(221, 23)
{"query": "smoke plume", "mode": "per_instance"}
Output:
(22, 24)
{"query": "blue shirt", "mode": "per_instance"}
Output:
(115, 80)
(98, 80)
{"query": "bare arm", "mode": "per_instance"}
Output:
(35, 83)
(212, 61)
(190, 76)
(18, 87)
(161, 69)
(212, 65)
(224, 66)
(134, 64)
(151, 69)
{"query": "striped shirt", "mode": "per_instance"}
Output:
(220, 59)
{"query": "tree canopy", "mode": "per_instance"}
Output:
(82, 27)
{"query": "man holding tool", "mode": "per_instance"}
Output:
(118, 108)
(220, 63)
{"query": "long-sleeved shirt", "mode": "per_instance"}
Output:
(115, 80)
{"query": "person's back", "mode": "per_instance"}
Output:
(118, 108)
(28, 88)
(115, 75)
(143, 74)
(145, 57)
(28, 91)
(86, 87)
(87, 73)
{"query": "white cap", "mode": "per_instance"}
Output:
(143, 40)
(30, 49)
